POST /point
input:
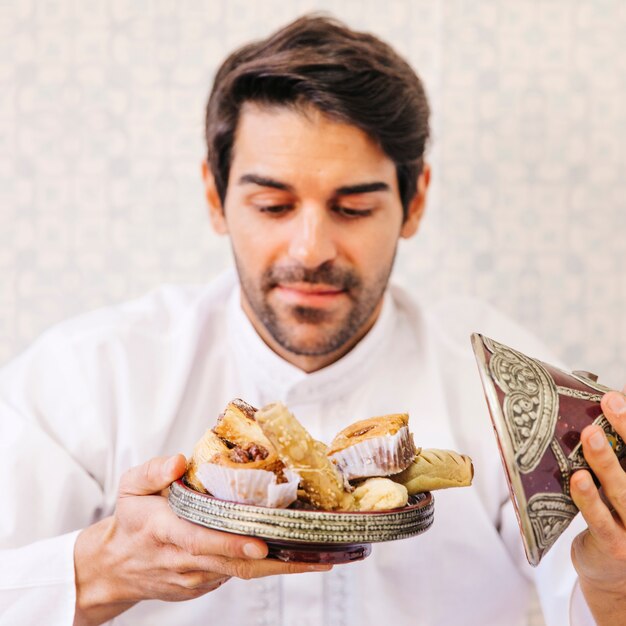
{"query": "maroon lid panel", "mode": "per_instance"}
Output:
(538, 412)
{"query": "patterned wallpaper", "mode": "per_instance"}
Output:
(101, 106)
(101, 111)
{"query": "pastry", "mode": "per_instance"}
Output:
(235, 461)
(321, 483)
(238, 427)
(208, 447)
(436, 469)
(238, 482)
(378, 446)
(380, 494)
(267, 458)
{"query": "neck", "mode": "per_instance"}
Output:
(306, 362)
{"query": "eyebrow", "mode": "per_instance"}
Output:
(353, 190)
(263, 181)
(347, 190)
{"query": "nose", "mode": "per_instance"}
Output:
(312, 238)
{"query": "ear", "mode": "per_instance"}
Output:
(216, 210)
(417, 205)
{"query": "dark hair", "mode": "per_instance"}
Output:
(352, 77)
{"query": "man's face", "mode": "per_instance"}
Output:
(314, 216)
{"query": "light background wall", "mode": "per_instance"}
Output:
(101, 126)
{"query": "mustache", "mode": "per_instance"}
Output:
(325, 274)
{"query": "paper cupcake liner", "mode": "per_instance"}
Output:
(378, 456)
(248, 486)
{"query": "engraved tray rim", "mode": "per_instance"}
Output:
(302, 526)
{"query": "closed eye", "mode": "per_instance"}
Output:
(349, 213)
(275, 209)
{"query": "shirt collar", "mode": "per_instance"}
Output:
(285, 382)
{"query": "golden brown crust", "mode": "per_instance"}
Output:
(207, 447)
(436, 469)
(368, 429)
(320, 479)
(271, 463)
(238, 426)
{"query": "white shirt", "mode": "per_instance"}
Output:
(111, 389)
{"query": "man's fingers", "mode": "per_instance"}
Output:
(224, 554)
(153, 476)
(199, 541)
(601, 523)
(604, 464)
(238, 565)
(202, 580)
(614, 408)
(222, 569)
(603, 461)
(247, 569)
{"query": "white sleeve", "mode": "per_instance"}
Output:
(50, 454)
(37, 582)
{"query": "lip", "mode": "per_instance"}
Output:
(306, 294)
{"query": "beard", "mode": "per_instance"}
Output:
(313, 331)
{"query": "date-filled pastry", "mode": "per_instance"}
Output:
(208, 447)
(378, 446)
(436, 469)
(321, 483)
(238, 463)
(249, 482)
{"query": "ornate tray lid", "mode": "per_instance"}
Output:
(538, 412)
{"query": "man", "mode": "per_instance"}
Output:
(315, 169)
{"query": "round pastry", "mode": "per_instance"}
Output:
(380, 494)
(378, 446)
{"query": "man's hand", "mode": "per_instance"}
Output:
(144, 551)
(599, 553)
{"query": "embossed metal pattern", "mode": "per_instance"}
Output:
(577, 393)
(550, 514)
(530, 405)
(301, 525)
(538, 412)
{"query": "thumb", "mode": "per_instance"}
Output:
(153, 476)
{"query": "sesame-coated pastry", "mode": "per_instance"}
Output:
(320, 480)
